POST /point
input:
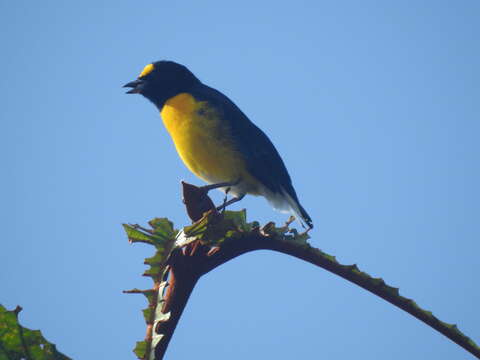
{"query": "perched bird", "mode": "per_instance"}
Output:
(215, 139)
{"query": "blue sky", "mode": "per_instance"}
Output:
(373, 105)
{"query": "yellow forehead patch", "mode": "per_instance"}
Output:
(147, 70)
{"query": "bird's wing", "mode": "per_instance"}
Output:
(262, 159)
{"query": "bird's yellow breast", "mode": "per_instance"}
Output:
(202, 139)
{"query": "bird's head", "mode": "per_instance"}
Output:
(162, 80)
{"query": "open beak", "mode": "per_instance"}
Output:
(136, 85)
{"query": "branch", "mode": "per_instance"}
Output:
(218, 238)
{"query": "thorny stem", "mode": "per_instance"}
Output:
(189, 263)
(183, 276)
(309, 254)
(233, 249)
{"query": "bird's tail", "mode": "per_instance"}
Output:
(285, 202)
(298, 210)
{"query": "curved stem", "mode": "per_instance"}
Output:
(199, 261)
(350, 273)
(189, 263)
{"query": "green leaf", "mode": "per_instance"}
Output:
(147, 315)
(156, 259)
(140, 349)
(163, 228)
(199, 227)
(239, 218)
(18, 342)
(135, 235)
(154, 271)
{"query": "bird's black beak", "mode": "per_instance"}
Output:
(136, 85)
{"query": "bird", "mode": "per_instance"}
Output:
(215, 139)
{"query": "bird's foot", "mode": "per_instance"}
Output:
(227, 190)
(229, 202)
